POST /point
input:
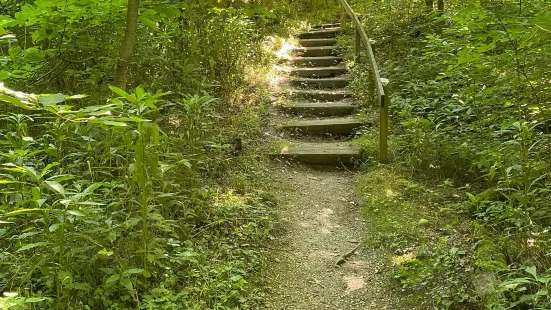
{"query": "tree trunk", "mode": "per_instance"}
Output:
(430, 4)
(128, 45)
(440, 5)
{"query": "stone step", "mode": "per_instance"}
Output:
(327, 83)
(321, 95)
(325, 61)
(316, 51)
(317, 42)
(339, 108)
(318, 72)
(333, 126)
(319, 34)
(322, 153)
(324, 26)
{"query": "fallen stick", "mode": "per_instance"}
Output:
(343, 258)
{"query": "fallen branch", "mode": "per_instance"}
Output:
(343, 258)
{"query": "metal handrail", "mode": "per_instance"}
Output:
(380, 84)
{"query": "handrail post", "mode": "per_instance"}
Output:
(358, 46)
(343, 18)
(383, 123)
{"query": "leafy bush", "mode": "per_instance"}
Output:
(95, 211)
(469, 103)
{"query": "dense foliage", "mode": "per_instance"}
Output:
(470, 101)
(137, 194)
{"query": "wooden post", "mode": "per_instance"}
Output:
(343, 18)
(358, 46)
(373, 91)
(383, 123)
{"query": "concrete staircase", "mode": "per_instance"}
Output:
(320, 113)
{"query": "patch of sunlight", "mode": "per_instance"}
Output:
(229, 197)
(408, 257)
(532, 241)
(277, 77)
(175, 121)
(282, 49)
(285, 50)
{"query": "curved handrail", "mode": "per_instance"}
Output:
(361, 31)
(380, 85)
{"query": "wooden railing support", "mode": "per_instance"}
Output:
(372, 94)
(380, 86)
(343, 18)
(383, 123)
(358, 47)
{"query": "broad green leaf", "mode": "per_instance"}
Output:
(32, 246)
(47, 168)
(18, 103)
(76, 212)
(139, 92)
(127, 283)
(113, 123)
(236, 278)
(532, 270)
(112, 278)
(34, 299)
(148, 22)
(56, 187)
(123, 94)
(22, 211)
(27, 235)
(134, 271)
(51, 99)
(76, 97)
(8, 181)
(54, 227)
(105, 252)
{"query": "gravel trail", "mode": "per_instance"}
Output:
(320, 222)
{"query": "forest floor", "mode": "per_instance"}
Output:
(320, 221)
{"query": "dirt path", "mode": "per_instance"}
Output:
(321, 221)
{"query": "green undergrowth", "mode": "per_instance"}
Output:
(153, 194)
(104, 207)
(439, 257)
(469, 117)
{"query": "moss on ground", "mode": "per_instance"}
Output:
(440, 258)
